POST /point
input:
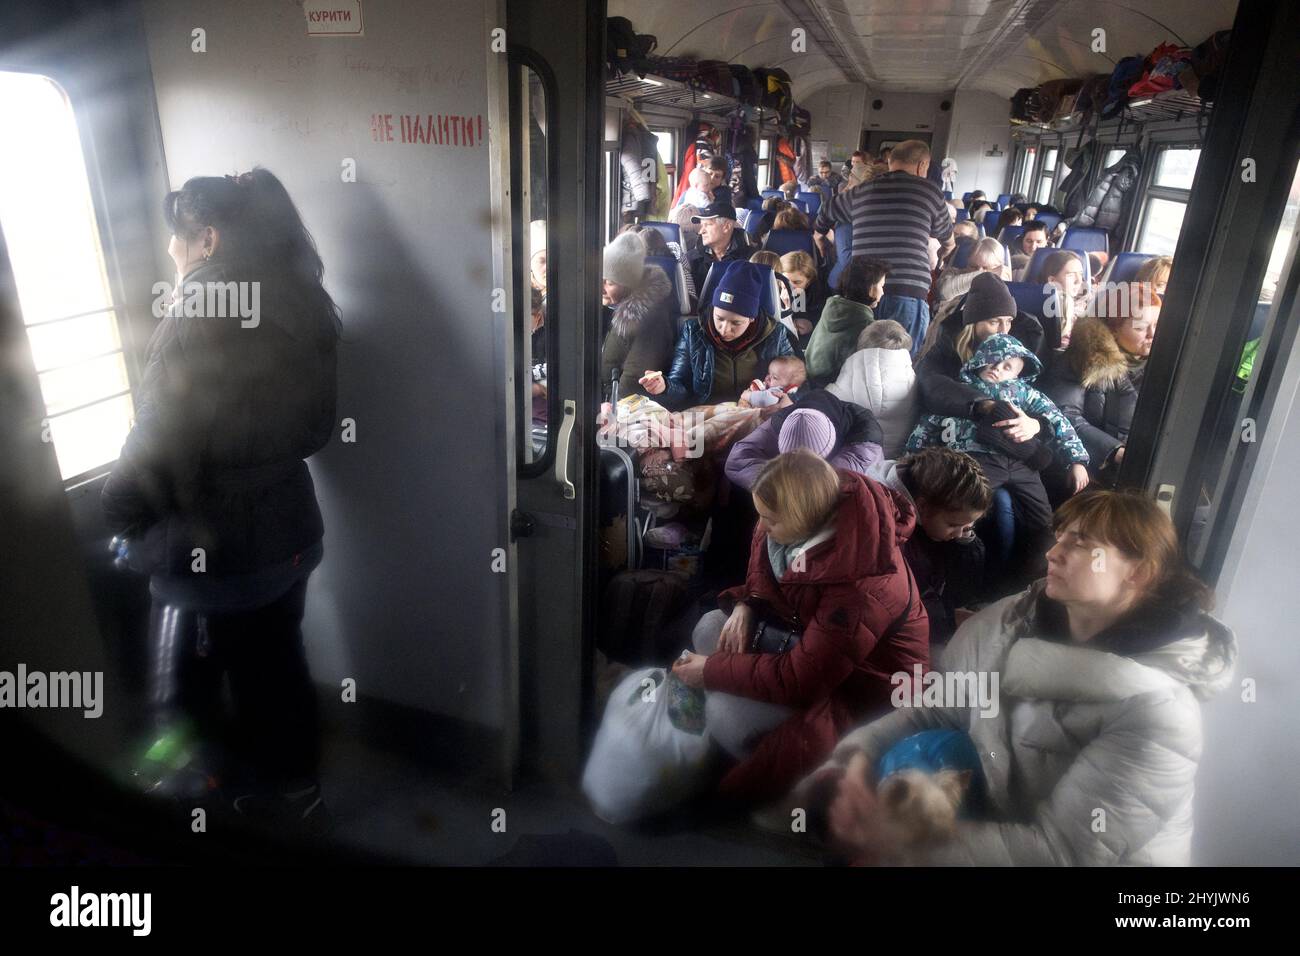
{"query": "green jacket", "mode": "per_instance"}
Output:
(835, 337)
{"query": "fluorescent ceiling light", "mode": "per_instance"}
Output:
(652, 82)
(1142, 102)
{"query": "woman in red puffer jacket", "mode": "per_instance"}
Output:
(826, 564)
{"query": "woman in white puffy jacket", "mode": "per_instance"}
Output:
(1090, 751)
(879, 376)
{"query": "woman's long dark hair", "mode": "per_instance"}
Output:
(261, 231)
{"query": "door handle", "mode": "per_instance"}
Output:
(562, 450)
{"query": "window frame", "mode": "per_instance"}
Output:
(1149, 191)
(671, 166)
(763, 170)
(119, 306)
(1021, 179)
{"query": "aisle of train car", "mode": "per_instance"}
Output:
(453, 628)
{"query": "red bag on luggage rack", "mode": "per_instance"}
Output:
(1162, 68)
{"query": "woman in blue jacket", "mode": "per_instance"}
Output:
(727, 347)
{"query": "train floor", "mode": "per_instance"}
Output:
(387, 804)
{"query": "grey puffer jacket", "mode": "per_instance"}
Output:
(1104, 207)
(1082, 739)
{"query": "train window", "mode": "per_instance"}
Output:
(668, 155)
(1026, 169)
(58, 264)
(764, 163)
(1113, 156)
(532, 164)
(1048, 175)
(1167, 197)
(1239, 410)
(1176, 168)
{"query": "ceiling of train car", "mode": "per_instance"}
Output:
(924, 45)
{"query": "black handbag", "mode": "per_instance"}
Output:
(775, 637)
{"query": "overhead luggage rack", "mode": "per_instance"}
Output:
(1172, 104)
(661, 91)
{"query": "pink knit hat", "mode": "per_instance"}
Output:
(807, 428)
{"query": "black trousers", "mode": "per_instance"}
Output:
(273, 733)
(1033, 515)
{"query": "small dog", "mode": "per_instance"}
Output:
(914, 810)
(921, 808)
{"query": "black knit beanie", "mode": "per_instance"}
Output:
(988, 298)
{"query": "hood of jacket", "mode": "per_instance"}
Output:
(886, 472)
(997, 348)
(1094, 355)
(1166, 645)
(853, 423)
(866, 370)
(872, 522)
(653, 290)
(840, 314)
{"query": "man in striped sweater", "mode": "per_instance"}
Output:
(893, 217)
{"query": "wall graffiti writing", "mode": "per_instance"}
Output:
(433, 129)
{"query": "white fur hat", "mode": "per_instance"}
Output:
(625, 260)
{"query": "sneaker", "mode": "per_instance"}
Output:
(174, 767)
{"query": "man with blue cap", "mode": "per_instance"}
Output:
(727, 347)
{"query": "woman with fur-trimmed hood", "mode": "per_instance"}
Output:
(639, 321)
(1096, 383)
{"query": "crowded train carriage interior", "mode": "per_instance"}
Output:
(505, 432)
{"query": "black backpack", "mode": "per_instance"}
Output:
(1207, 63)
(1127, 72)
(626, 51)
(1027, 105)
(748, 88)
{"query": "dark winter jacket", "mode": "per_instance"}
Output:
(224, 417)
(691, 380)
(1105, 206)
(1095, 384)
(641, 333)
(938, 371)
(853, 587)
(702, 259)
(949, 574)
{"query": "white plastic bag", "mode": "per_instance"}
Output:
(651, 751)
